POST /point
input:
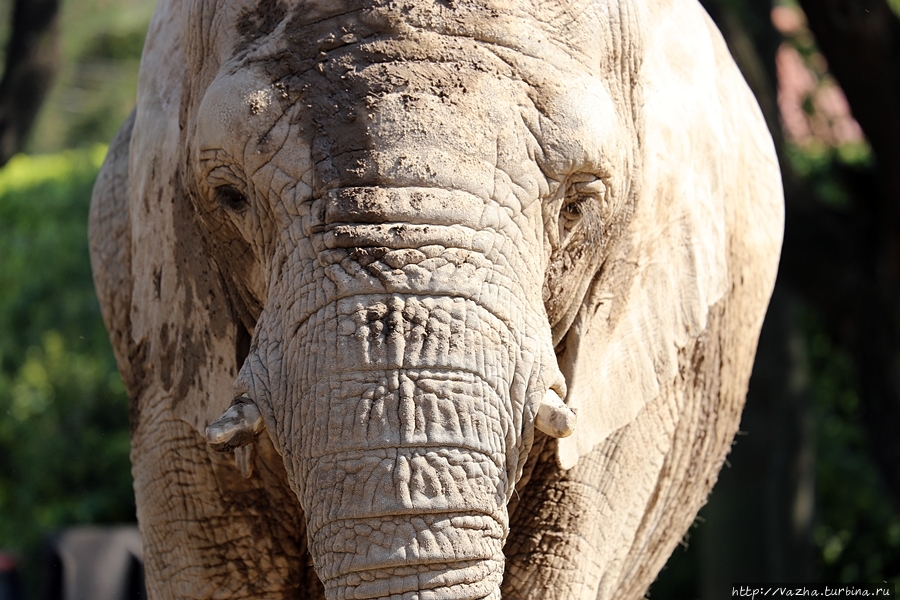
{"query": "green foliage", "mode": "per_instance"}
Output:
(96, 89)
(64, 437)
(857, 530)
(116, 45)
(43, 213)
(823, 167)
(895, 6)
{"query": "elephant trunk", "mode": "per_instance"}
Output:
(403, 461)
(402, 384)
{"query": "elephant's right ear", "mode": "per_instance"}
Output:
(709, 177)
(169, 314)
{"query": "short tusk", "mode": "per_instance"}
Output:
(555, 418)
(239, 426)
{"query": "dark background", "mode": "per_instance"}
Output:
(811, 490)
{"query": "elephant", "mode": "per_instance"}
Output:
(446, 299)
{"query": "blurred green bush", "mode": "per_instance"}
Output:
(63, 410)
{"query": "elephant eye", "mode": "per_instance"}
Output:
(570, 215)
(571, 209)
(584, 209)
(231, 198)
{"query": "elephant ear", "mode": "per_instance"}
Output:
(654, 291)
(108, 230)
(169, 315)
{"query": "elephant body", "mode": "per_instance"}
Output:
(363, 263)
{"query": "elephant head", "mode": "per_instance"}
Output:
(412, 240)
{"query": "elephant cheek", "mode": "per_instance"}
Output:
(399, 445)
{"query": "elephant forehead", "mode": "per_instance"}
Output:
(588, 30)
(404, 122)
(373, 95)
(540, 42)
(465, 129)
(431, 124)
(422, 131)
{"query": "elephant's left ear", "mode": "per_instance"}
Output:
(707, 223)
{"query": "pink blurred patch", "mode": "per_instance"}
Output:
(7, 563)
(812, 105)
(788, 20)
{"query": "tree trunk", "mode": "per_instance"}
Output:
(32, 61)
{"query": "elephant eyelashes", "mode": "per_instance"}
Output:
(586, 200)
(571, 211)
(228, 197)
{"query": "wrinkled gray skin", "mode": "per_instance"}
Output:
(398, 231)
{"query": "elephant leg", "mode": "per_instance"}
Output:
(207, 531)
(606, 527)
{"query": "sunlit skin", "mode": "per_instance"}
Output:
(445, 286)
